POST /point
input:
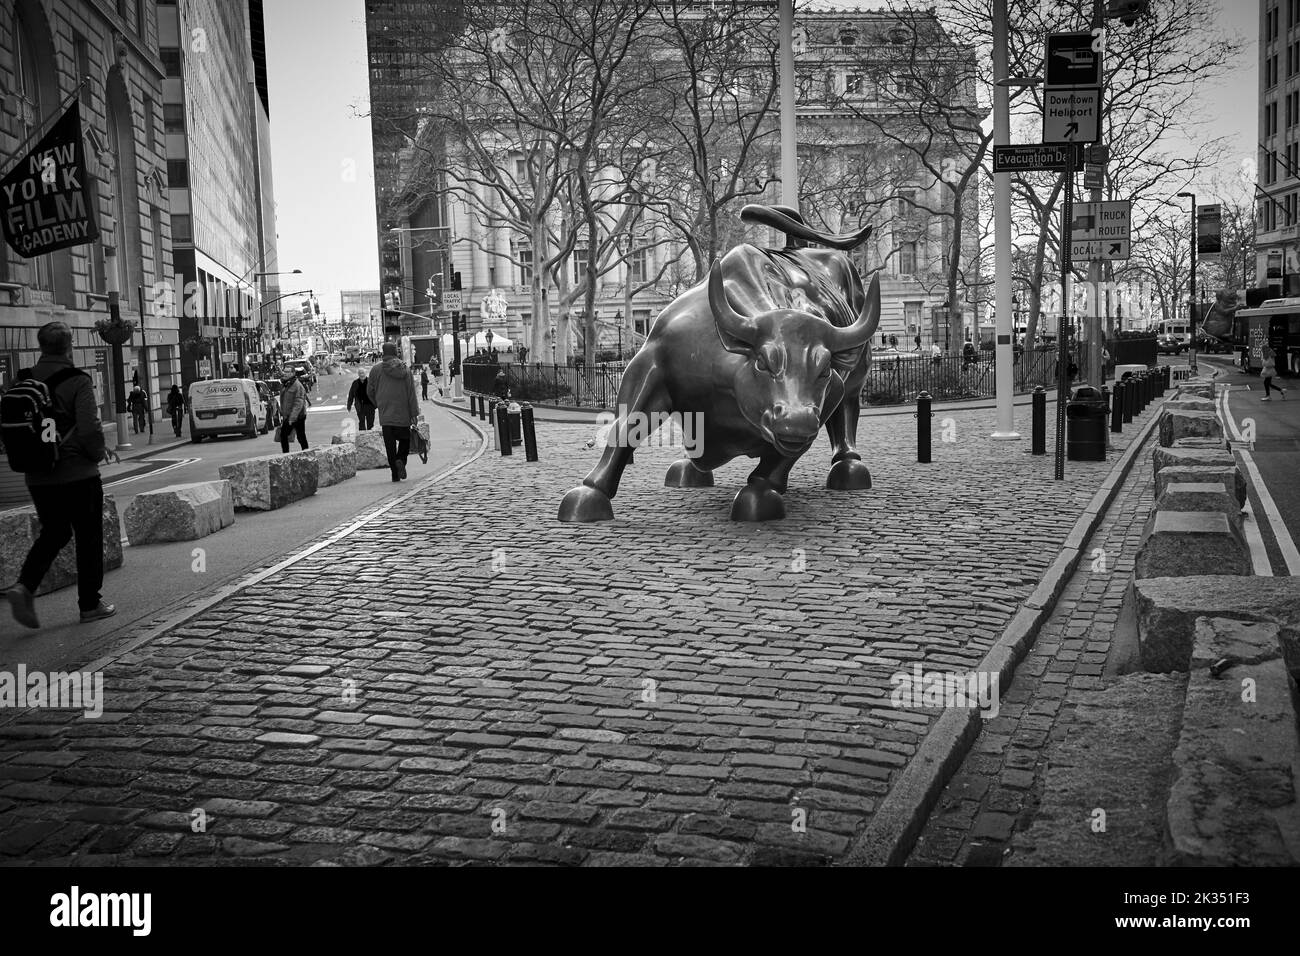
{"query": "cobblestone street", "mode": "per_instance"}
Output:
(466, 678)
(996, 792)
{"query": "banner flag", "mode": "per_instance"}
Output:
(46, 196)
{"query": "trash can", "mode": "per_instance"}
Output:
(514, 417)
(1085, 425)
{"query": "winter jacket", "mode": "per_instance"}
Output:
(137, 402)
(81, 444)
(392, 389)
(175, 400)
(357, 394)
(293, 402)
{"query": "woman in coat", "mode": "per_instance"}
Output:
(293, 409)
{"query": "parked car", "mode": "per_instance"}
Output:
(225, 406)
(1170, 345)
(272, 401)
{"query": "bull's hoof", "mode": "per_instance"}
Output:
(758, 501)
(849, 474)
(584, 503)
(683, 474)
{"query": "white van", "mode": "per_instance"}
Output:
(226, 406)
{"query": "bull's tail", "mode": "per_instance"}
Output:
(786, 220)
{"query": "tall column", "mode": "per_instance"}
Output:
(1003, 355)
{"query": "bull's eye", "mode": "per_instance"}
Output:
(760, 363)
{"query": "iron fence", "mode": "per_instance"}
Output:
(891, 379)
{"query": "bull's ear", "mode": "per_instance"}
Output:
(842, 363)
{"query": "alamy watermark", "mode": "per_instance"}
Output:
(683, 430)
(922, 688)
(56, 690)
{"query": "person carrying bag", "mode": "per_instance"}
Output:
(293, 410)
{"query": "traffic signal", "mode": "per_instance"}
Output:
(455, 281)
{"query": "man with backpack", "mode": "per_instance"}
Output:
(53, 436)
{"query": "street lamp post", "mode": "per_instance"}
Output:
(1004, 387)
(1191, 299)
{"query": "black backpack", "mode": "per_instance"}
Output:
(29, 423)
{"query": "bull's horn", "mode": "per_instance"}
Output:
(864, 328)
(732, 326)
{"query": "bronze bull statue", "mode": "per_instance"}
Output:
(771, 347)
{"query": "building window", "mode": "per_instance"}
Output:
(182, 228)
(33, 108)
(524, 255)
(906, 203)
(178, 174)
(853, 84)
(848, 37)
(637, 265)
(155, 228)
(174, 117)
(150, 133)
(907, 259)
(171, 60)
(580, 256)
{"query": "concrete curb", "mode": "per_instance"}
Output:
(178, 617)
(898, 821)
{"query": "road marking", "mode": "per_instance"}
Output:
(328, 408)
(1285, 543)
(179, 463)
(1255, 541)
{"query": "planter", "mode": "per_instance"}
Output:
(115, 333)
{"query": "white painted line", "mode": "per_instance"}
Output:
(179, 463)
(1225, 416)
(1285, 544)
(1255, 541)
(328, 408)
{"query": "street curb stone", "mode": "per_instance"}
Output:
(901, 815)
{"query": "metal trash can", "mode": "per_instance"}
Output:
(1085, 425)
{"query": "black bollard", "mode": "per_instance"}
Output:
(1130, 398)
(1117, 408)
(923, 428)
(501, 415)
(1040, 421)
(473, 406)
(530, 431)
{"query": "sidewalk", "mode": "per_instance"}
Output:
(462, 677)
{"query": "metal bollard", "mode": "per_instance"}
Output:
(530, 431)
(1040, 421)
(484, 409)
(500, 413)
(1117, 408)
(1130, 399)
(923, 402)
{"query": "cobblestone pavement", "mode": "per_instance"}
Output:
(466, 679)
(996, 791)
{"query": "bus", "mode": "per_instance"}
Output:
(1276, 323)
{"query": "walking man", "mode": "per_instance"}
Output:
(69, 497)
(293, 409)
(424, 383)
(358, 396)
(176, 408)
(138, 403)
(391, 387)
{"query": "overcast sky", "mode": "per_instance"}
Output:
(320, 136)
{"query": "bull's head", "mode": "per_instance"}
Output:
(796, 363)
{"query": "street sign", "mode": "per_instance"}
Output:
(1033, 157)
(205, 368)
(1094, 177)
(1071, 116)
(228, 356)
(451, 301)
(1098, 154)
(1082, 249)
(1071, 61)
(1102, 221)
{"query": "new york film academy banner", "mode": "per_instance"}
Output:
(45, 197)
